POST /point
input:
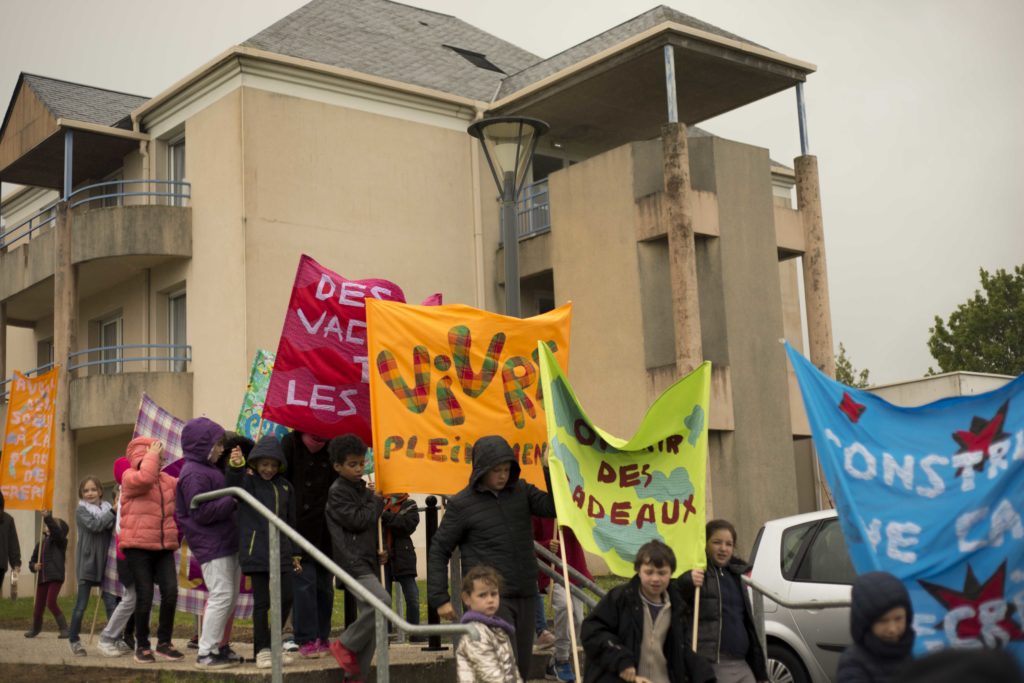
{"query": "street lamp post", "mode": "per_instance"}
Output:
(509, 143)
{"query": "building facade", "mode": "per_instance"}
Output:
(154, 243)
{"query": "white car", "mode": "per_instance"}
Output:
(801, 559)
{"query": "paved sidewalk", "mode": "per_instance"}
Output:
(46, 659)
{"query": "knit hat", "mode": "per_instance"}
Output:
(121, 465)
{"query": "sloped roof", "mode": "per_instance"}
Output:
(394, 41)
(67, 100)
(610, 38)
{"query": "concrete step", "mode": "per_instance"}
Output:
(46, 659)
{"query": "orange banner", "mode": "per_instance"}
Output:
(441, 377)
(26, 463)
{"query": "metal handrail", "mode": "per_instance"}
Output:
(187, 358)
(183, 185)
(37, 371)
(48, 209)
(383, 611)
(573, 572)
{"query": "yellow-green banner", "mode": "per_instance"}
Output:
(616, 494)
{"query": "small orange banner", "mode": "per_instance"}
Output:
(442, 377)
(27, 460)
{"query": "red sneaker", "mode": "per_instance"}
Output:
(345, 658)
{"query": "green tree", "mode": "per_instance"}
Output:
(986, 333)
(846, 373)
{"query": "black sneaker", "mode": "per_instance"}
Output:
(231, 655)
(214, 660)
(144, 656)
(193, 643)
(167, 651)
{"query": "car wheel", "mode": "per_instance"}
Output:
(784, 666)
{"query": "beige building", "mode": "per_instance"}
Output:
(155, 241)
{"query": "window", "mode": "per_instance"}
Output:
(110, 340)
(827, 560)
(115, 187)
(792, 541)
(44, 353)
(176, 331)
(176, 169)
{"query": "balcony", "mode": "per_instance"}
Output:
(141, 222)
(107, 382)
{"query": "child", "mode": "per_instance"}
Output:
(149, 538)
(489, 521)
(311, 474)
(491, 658)
(10, 549)
(270, 488)
(111, 642)
(95, 520)
(48, 561)
(559, 668)
(880, 618)
(212, 534)
(726, 635)
(352, 513)
(401, 565)
(641, 630)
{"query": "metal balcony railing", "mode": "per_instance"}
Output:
(173, 192)
(111, 358)
(533, 213)
(4, 386)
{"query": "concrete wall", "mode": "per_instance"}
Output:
(927, 389)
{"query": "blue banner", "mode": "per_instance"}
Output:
(933, 494)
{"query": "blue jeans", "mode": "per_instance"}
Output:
(84, 590)
(411, 593)
(313, 603)
(540, 618)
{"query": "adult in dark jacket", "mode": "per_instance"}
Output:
(880, 626)
(309, 470)
(726, 635)
(211, 531)
(613, 632)
(401, 564)
(267, 485)
(10, 549)
(489, 521)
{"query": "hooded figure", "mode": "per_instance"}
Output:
(870, 658)
(489, 521)
(276, 495)
(147, 500)
(210, 529)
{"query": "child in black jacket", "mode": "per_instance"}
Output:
(401, 563)
(880, 626)
(352, 514)
(641, 629)
(48, 561)
(269, 487)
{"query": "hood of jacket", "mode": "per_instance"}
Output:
(268, 447)
(136, 450)
(489, 452)
(198, 437)
(874, 594)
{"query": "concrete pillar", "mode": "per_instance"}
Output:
(682, 255)
(65, 332)
(819, 316)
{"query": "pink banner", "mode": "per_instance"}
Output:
(319, 383)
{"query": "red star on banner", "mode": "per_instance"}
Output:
(974, 595)
(982, 434)
(851, 408)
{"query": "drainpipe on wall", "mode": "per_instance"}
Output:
(478, 219)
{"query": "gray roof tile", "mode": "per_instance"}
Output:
(603, 41)
(82, 102)
(394, 41)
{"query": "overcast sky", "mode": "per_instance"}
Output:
(915, 114)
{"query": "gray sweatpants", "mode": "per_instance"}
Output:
(361, 635)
